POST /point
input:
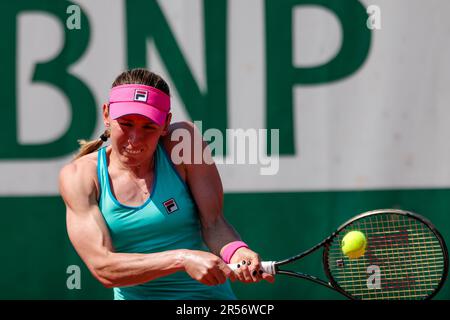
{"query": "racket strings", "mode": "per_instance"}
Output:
(403, 259)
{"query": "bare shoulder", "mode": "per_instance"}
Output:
(188, 125)
(79, 177)
(178, 131)
(184, 142)
(182, 129)
(84, 166)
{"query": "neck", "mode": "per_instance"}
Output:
(141, 170)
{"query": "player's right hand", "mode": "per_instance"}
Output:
(207, 268)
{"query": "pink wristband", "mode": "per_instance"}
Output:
(231, 248)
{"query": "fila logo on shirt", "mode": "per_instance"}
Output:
(140, 95)
(170, 205)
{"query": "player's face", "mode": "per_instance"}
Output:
(134, 138)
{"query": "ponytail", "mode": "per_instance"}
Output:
(87, 147)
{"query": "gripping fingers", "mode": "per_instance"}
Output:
(255, 272)
(244, 274)
(213, 277)
(268, 277)
(219, 276)
(252, 270)
(229, 273)
(222, 272)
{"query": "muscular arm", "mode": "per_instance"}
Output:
(206, 187)
(90, 237)
(207, 190)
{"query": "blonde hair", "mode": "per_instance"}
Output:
(133, 76)
(87, 147)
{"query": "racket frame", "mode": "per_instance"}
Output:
(332, 284)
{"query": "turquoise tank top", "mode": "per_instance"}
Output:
(168, 220)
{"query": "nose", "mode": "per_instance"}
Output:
(133, 137)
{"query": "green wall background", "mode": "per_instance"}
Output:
(36, 250)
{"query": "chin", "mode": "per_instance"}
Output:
(129, 159)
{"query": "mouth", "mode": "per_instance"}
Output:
(133, 151)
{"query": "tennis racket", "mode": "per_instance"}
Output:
(405, 258)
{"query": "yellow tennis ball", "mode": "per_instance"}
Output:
(354, 244)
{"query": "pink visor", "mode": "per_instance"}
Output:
(139, 99)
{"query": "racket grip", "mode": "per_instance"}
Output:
(266, 266)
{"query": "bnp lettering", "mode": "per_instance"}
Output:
(145, 22)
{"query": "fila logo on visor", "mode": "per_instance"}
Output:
(171, 206)
(140, 95)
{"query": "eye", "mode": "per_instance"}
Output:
(126, 124)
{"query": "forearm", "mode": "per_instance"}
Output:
(219, 233)
(127, 269)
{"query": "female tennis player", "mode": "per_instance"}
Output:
(144, 226)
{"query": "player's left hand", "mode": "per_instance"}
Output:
(249, 266)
